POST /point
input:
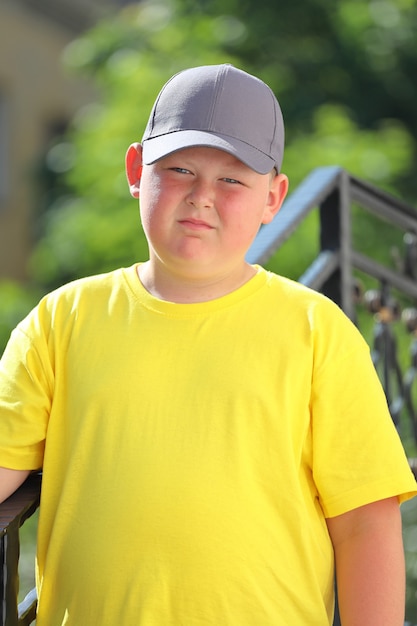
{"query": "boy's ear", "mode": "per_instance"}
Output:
(133, 164)
(277, 193)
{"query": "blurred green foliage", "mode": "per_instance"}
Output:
(16, 300)
(321, 59)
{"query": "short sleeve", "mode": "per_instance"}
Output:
(26, 384)
(358, 457)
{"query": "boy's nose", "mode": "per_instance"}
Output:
(201, 195)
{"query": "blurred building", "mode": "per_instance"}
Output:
(37, 99)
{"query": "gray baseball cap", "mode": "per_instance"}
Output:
(217, 106)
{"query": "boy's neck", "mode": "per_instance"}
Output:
(187, 290)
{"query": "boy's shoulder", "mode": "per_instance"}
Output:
(299, 306)
(81, 297)
(93, 286)
(295, 291)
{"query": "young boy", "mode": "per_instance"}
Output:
(212, 436)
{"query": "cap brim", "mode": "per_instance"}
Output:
(157, 148)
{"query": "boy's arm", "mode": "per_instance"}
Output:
(370, 567)
(10, 480)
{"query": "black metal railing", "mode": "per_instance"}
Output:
(13, 513)
(334, 271)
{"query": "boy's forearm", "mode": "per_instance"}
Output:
(10, 480)
(370, 565)
(371, 586)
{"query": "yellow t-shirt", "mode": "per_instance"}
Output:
(191, 452)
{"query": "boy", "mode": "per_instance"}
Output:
(211, 434)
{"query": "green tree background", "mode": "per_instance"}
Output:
(343, 71)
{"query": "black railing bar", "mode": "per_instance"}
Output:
(365, 190)
(382, 207)
(308, 195)
(380, 272)
(320, 269)
(387, 213)
(3, 591)
(346, 287)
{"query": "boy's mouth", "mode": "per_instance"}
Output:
(194, 224)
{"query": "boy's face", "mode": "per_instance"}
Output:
(201, 209)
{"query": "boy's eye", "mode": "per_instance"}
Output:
(233, 181)
(180, 170)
